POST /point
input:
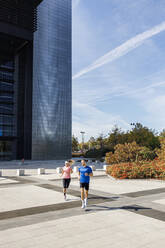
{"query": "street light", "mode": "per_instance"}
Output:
(82, 133)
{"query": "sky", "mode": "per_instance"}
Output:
(118, 54)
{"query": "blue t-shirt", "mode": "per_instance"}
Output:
(83, 170)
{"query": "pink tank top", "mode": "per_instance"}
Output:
(67, 172)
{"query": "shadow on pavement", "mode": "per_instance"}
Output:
(104, 208)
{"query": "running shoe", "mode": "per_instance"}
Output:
(86, 202)
(83, 205)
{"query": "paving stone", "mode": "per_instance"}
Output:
(120, 214)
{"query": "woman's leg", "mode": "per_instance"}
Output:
(64, 188)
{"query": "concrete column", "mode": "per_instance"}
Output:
(41, 171)
(93, 167)
(75, 169)
(59, 170)
(20, 172)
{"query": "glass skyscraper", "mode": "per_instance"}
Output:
(18, 22)
(35, 79)
(51, 121)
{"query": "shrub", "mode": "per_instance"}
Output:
(154, 169)
(96, 153)
(129, 152)
(146, 154)
(161, 152)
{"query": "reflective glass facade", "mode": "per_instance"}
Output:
(7, 127)
(18, 21)
(19, 12)
(6, 96)
(51, 122)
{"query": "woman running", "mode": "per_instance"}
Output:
(66, 174)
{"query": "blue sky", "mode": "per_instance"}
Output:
(118, 65)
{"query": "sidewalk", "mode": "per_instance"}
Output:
(127, 213)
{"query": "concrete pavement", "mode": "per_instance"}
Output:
(127, 213)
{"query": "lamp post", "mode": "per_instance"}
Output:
(82, 133)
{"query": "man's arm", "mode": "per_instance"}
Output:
(91, 173)
(79, 175)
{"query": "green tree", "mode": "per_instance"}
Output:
(116, 136)
(92, 143)
(144, 136)
(84, 146)
(75, 144)
(101, 141)
(162, 134)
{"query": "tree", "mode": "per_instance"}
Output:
(162, 134)
(100, 141)
(84, 146)
(144, 136)
(75, 144)
(116, 136)
(161, 152)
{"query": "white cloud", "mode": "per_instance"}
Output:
(133, 76)
(134, 92)
(154, 107)
(93, 121)
(122, 49)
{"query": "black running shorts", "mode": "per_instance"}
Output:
(84, 185)
(66, 182)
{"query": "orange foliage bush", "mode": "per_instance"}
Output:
(129, 152)
(161, 152)
(154, 169)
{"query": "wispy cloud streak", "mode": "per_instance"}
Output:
(126, 92)
(123, 49)
(134, 91)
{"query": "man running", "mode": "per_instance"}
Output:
(84, 174)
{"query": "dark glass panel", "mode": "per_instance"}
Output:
(52, 81)
(7, 96)
(5, 150)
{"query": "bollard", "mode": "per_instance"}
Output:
(59, 170)
(104, 167)
(41, 171)
(93, 167)
(75, 169)
(0, 173)
(20, 172)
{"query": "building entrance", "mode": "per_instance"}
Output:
(5, 150)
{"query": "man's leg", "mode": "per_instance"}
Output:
(86, 194)
(82, 197)
(82, 194)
